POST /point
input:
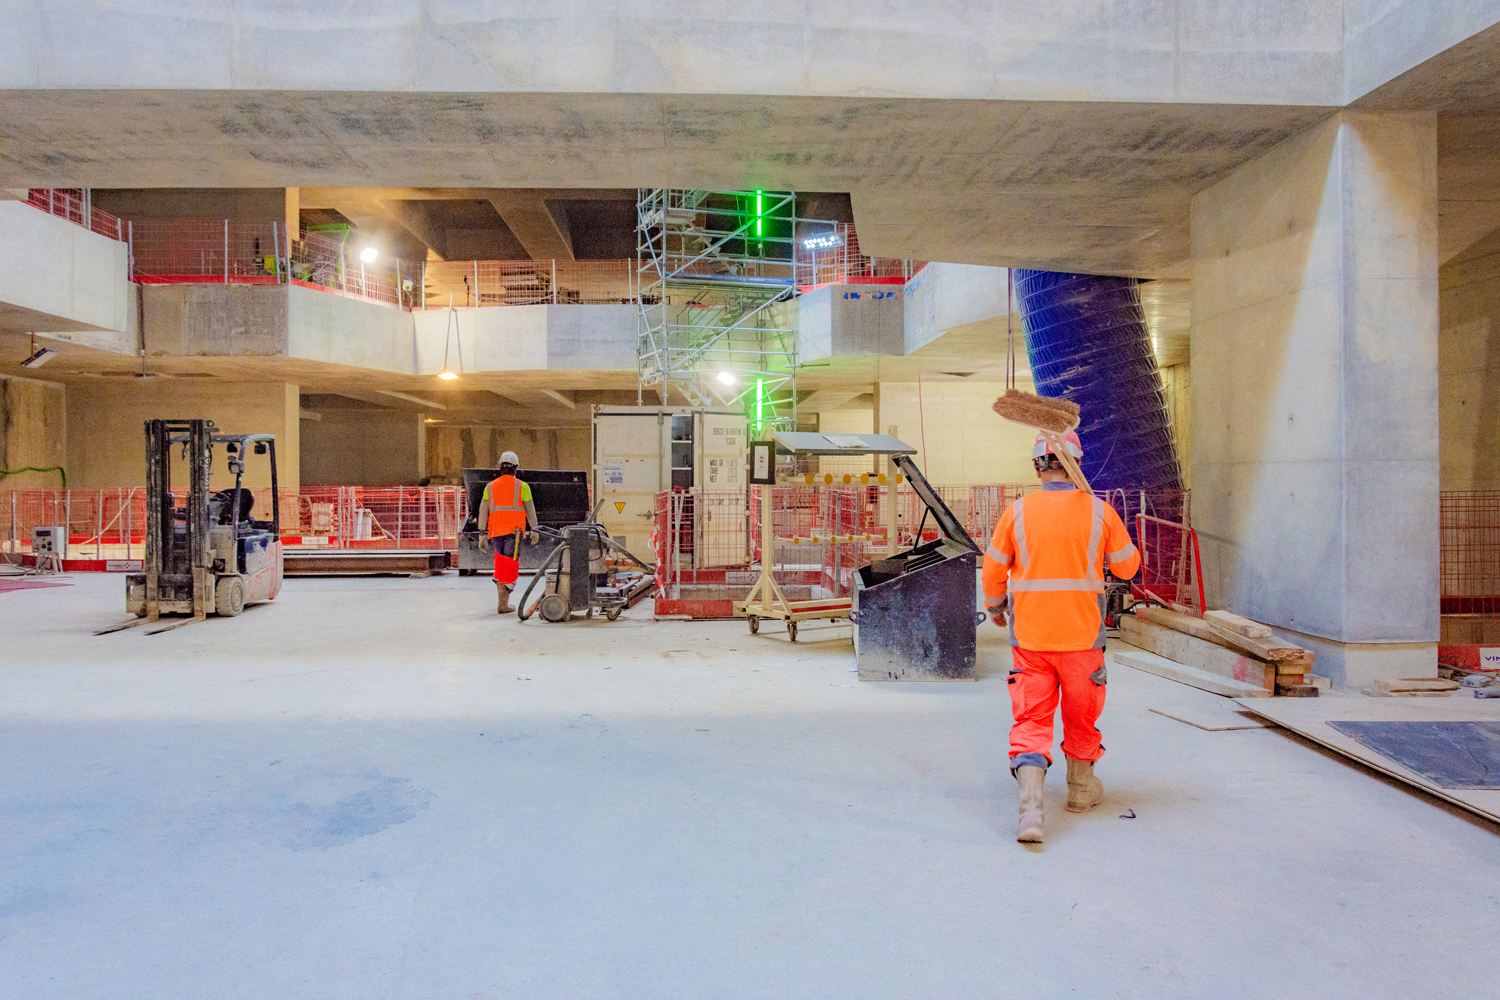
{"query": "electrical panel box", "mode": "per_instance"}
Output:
(51, 541)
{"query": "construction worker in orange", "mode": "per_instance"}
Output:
(1045, 566)
(507, 511)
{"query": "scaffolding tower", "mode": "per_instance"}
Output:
(717, 286)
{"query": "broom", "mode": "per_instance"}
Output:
(1052, 417)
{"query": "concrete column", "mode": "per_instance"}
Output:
(1314, 369)
(294, 211)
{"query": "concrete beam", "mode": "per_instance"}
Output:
(559, 397)
(413, 399)
(541, 226)
(829, 399)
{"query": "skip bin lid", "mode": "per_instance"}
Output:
(814, 443)
(940, 511)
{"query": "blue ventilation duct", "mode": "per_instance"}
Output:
(1087, 341)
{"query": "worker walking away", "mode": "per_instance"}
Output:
(1045, 565)
(507, 511)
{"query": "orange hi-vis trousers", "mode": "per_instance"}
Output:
(1037, 681)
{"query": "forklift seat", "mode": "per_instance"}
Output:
(226, 505)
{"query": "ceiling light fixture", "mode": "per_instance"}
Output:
(450, 334)
(726, 378)
(368, 255)
(38, 357)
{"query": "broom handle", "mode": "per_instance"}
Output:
(1074, 472)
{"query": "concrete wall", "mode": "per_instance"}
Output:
(106, 443)
(195, 204)
(451, 449)
(363, 447)
(1314, 376)
(529, 337)
(1469, 368)
(965, 441)
(311, 325)
(337, 330)
(33, 432)
(1385, 38)
(850, 321)
(942, 297)
(1177, 382)
(55, 276)
(214, 320)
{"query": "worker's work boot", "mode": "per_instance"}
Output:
(504, 608)
(1029, 826)
(1084, 790)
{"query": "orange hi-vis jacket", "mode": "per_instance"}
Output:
(1053, 544)
(507, 512)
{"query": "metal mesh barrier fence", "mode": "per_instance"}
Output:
(836, 259)
(75, 205)
(528, 282)
(110, 524)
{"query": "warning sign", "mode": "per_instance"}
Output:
(619, 507)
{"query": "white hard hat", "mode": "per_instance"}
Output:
(509, 458)
(1070, 444)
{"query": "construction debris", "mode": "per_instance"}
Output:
(1235, 623)
(1227, 645)
(1411, 687)
(1197, 653)
(1203, 680)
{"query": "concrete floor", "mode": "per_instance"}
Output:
(379, 789)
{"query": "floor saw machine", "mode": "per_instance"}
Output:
(582, 575)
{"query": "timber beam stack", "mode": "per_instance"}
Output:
(1226, 645)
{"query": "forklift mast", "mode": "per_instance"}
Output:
(166, 559)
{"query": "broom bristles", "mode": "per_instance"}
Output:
(1056, 415)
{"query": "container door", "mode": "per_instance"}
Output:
(628, 472)
(723, 526)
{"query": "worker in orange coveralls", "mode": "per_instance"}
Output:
(1052, 545)
(506, 512)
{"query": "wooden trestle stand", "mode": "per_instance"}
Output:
(765, 600)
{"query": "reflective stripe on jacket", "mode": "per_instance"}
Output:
(506, 518)
(1046, 563)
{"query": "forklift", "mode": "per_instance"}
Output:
(209, 556)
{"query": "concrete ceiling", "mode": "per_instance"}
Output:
(1097, 187)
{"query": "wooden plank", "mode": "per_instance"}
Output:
(1200, 628)
(1197, 653)
(1310, 716)
(1233, 622)
(1215, 719)
(1273, 650)
(1200, 679)
(1414, 684)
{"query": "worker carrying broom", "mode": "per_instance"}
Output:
(1053, 545)
(507, 511)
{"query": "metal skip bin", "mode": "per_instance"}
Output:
(915, 612)
(561, 498)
